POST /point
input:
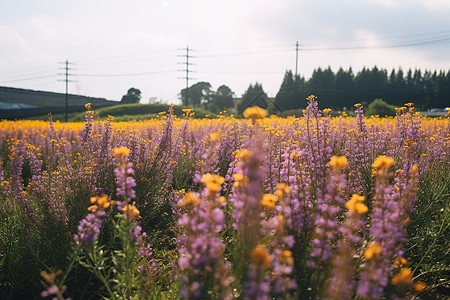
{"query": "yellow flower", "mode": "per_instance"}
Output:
(100, 201)
(338, 162)
(92, 207)
(212, 182)
(240, 180)
(311, 98)
(382, 162)
(355, 204)
(214, 137)
(243, 154)
(255, 112)
(269, 201)
(88, 106)
(283, 190)
(372, 251)
(419, 286)
(260, 256)
(286, 257)
(189, 199)
(399, 261)
(121, 152)
(414, 169)
(404, 276)
(132, 209)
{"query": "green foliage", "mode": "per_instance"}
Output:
(428, 238)
(291, 93)
(133, 96)
(426, 89)
(197, 95)
(381, 108)
(201, 95)
(222, 99)
(254, 95)
(128, 112)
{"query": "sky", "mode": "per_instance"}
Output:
(113, 45)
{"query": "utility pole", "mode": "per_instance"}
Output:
(66, 80)
(187, 56)
(296, 69)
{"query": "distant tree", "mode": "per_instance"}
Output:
(254, 95)
(371, 84)
(322, 85)
(344, 88)
(322, 79)
(286, 96)
(381, 108)
(222, 99)
(198, 94)
(133, 96)
(442, 90)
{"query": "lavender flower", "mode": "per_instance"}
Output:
(201, 250)
(89, 228)
(125, 182)
(327, 209)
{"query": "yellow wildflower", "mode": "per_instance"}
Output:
(283, 190)
(404, 276)
(338, 162)
(286, 257)
(372, 251)
(355, 204)
(243, 154)
(132, 209)
(382, 162)
(92, 207)
(189, 199)
(255, 112)
(399, 261)
(121, 152)
(269, 201)
(212, 182)
(419, 286)
(311, 98)
(260, 256)
(214, 137)
(88, 106)
(240, 180)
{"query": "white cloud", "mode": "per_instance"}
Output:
(125, 37)
(435, 5)
(386, 3)
(14, 45)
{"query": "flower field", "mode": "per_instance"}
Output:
(256, 208)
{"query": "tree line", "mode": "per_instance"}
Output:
(343, 89)
(426, 89)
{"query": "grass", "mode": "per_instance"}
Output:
(428, 233)
(129, 112)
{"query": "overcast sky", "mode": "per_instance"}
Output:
(118, 44)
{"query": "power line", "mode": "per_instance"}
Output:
(66, 80)
(29, 78)
(187, 56)
(387, 46)
(126, 74)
